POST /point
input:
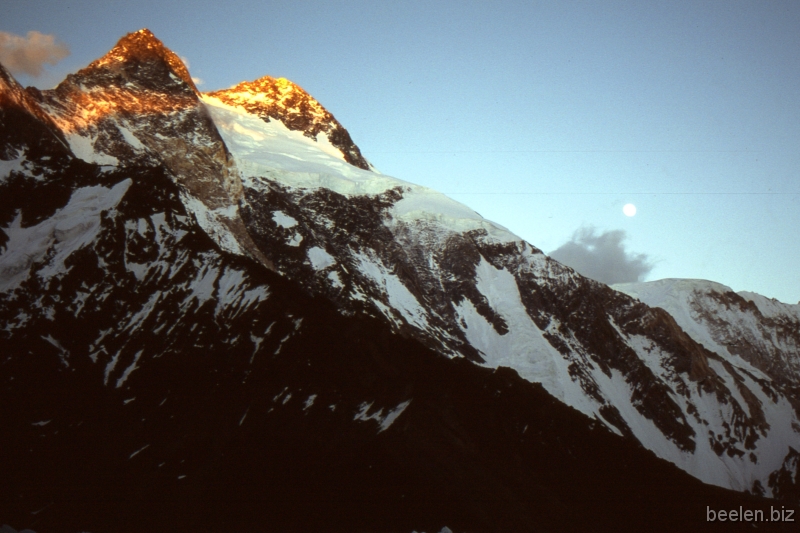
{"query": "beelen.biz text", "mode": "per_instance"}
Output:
(749, 515)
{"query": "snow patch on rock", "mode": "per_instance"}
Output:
(319, 258)
(83, 148)
(384, 422)
(400, 298)
(70, 228)
(215, 222)
(283, 220)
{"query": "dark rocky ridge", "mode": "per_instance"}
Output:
(28, 129)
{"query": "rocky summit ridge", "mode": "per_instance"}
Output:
(139, 50)
(187, 279)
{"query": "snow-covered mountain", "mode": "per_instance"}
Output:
(747, 327)
(150, 230)
(758, 335)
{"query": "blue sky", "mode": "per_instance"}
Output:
(545, 117)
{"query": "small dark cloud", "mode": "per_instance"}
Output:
(27, 55)
(602, 257)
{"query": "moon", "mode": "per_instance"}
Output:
(629, 210)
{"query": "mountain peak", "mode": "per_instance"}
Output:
(280, 99)
(143, 47)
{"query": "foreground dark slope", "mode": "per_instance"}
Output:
(153, 402)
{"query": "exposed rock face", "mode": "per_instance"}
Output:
(142, 226)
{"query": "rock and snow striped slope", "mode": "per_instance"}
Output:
(746, 328)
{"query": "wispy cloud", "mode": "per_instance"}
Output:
(27, 55)
(197, 81)
(602, 257)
